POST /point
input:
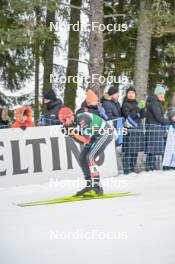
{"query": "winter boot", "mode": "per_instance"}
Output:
(85, 190)
(97, 189)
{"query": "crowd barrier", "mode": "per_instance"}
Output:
(146, 148)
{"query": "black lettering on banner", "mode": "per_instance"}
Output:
(2, 173)
(55, 153)
(71, 147)
(16, 158)
(36, 152)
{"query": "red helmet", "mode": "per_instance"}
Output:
(65, 114)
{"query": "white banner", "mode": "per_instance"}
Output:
(169, 155)
(38, 154)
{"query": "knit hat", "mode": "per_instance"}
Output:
(50, 95)
(159, 89)
(91, 97)
(112, 90)
(171, 112)
(131, 88)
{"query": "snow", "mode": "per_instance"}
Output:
(144, 223)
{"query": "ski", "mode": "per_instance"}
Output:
(75, 199)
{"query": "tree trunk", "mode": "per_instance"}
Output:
(48, 49)
(37, 68)
(73, 56)
(36, 107)
(141, 72)
(96, 46)
(173, 99)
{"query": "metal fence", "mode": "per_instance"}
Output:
(138, 149)
(143, 149)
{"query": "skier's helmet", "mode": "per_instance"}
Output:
(66, 116)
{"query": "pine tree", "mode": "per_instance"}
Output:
(96, 62)
(143, 49)
(73, 55)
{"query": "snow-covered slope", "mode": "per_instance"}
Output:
(137, 229)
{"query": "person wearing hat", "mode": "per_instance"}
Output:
(155, 112)
(133, 112)
(110, 103)
(112, 109)
(53, 105)
(88, 125)
(23, 118)
(155, 126)
(91, 105)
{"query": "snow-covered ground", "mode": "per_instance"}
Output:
(137, 229)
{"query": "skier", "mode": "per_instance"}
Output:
(96, 134)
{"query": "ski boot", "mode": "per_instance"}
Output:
(85, 190)
(97, 189)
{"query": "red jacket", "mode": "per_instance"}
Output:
(20, 118)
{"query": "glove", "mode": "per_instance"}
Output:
(102, 113)
(141, 104)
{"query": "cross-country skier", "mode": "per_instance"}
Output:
(96, 134)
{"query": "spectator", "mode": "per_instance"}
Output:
(134, 140)
(23, 118)
(53, 105)
(113, 111)
(155, 126)
(91, 105)
(110, 103)
(4, 118)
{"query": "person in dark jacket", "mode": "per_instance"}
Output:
(133, 112)
(53, 105)
(110, 103)
(112, 109)
(4, 118)
(155, 126)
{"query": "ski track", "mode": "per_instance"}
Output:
(148, 220)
